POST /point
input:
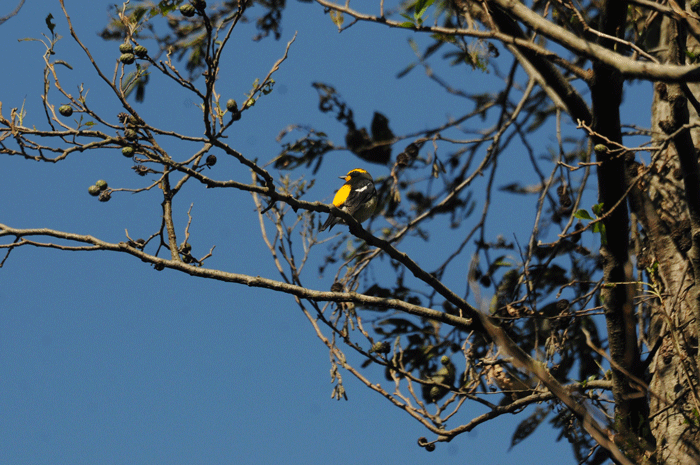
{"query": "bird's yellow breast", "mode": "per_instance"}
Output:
(341, 195)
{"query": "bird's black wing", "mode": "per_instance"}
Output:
(360, 194)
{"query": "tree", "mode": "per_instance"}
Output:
(566, 325)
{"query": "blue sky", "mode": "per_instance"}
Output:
(105, 361)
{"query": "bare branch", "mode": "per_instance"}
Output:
(10, 15)
(627, 66)
(252, 281)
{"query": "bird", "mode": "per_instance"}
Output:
(357, 196)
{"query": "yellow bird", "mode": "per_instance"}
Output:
(357, 196)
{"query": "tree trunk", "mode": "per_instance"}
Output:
(662, 208)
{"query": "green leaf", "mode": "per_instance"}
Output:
(414, 46)
(599, 228)
(597, 209)
(583, 215)
(406, 70)
(138, 14)
(444, 37)
(411, 22)
(267, 88)
(420, 7)
(603, 235)
(164, 7)
(337, 18)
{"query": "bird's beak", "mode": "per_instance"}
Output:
(342, 177)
